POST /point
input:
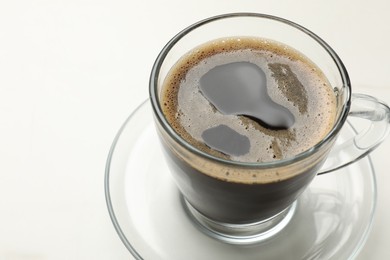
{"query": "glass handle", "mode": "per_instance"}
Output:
(355, 148)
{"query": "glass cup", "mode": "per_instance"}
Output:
(239, 211)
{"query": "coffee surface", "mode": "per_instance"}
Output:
(248, 100)
(240, 88)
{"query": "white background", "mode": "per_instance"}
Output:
(72, 71)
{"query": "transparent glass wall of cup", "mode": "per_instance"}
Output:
(243, 213)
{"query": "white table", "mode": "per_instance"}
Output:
(72, 71)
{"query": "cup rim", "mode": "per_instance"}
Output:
(156, 106)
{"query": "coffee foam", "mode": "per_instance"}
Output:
(190, 113)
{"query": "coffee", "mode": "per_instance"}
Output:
(245, 100)
(248, 100)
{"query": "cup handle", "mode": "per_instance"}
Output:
(355, 148)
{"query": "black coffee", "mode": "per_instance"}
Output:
(249, 100)
(246, 100)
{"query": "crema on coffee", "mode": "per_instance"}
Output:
(248, 100)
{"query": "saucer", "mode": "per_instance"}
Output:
(332, 219)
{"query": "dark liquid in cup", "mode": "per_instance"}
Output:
(246, 100)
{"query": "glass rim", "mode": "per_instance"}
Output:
(156, 105)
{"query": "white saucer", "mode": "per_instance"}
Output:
(332, 219)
